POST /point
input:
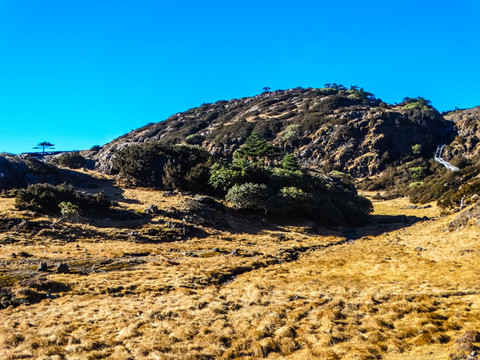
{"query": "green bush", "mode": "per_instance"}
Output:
(292, 132)
(183, 167)
(417, 149)
(223, 177)
(417, 173)
(250, 196)
(292, 200)
(70, 212)
(290, 163)
(46, 199)
(194, 139)
(72, 160)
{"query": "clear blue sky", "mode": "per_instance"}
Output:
(79, 73)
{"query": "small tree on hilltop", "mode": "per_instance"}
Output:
(43, 145)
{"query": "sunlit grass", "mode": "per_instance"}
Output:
(408, 293)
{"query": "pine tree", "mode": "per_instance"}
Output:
(290, 163)
(255, 148)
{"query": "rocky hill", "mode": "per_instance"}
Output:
(333, 128)
(467, 125)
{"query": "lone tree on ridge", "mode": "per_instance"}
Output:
(43, 145)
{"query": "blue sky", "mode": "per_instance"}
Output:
(79, 73)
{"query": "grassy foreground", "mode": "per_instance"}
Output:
(395, 290)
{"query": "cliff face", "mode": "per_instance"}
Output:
(326, 129)
(467, 125)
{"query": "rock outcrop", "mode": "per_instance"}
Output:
(19, 172)
(467, 125)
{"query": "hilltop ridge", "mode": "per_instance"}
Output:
(333, 128)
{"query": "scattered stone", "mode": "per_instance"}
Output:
(62, 268)
(235, 252)
(24, 254)
(115, 290)
(216, 249)
(152, 209)
(205, 200)
(42, 267)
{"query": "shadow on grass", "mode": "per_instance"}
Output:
(380, 224)
(377, 225)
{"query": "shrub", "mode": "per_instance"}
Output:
(346, 178)
(417, 173)
(417, 149)
(183, 167)
(292, 132)
(194, 139)
(280, 178)
(290, 163)
(70, 212)
(223, 177)
(46, 199)
(294, 200)
(250, 196)
(417, 103)
(72, 160)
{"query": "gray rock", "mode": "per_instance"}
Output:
(152, 209)
(62, 268)
(42, 266)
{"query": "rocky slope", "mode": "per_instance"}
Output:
(467, 125)
(18, 172)
(329, 129)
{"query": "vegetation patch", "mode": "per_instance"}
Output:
(178, 167)
(72, 160)
(46, 199)
(253, 181)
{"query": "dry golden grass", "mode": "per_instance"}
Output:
(409, 293)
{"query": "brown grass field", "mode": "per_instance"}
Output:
(396, 290)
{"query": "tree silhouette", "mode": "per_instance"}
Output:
(266, 89)
(43, 145)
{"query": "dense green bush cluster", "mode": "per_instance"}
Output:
(72, 160)
(256, 180)
(46, 199)
(285, 189)
(184, 167)
(417, 103)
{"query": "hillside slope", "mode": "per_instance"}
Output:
(467, 125)
(401, 289)
(328, 129)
